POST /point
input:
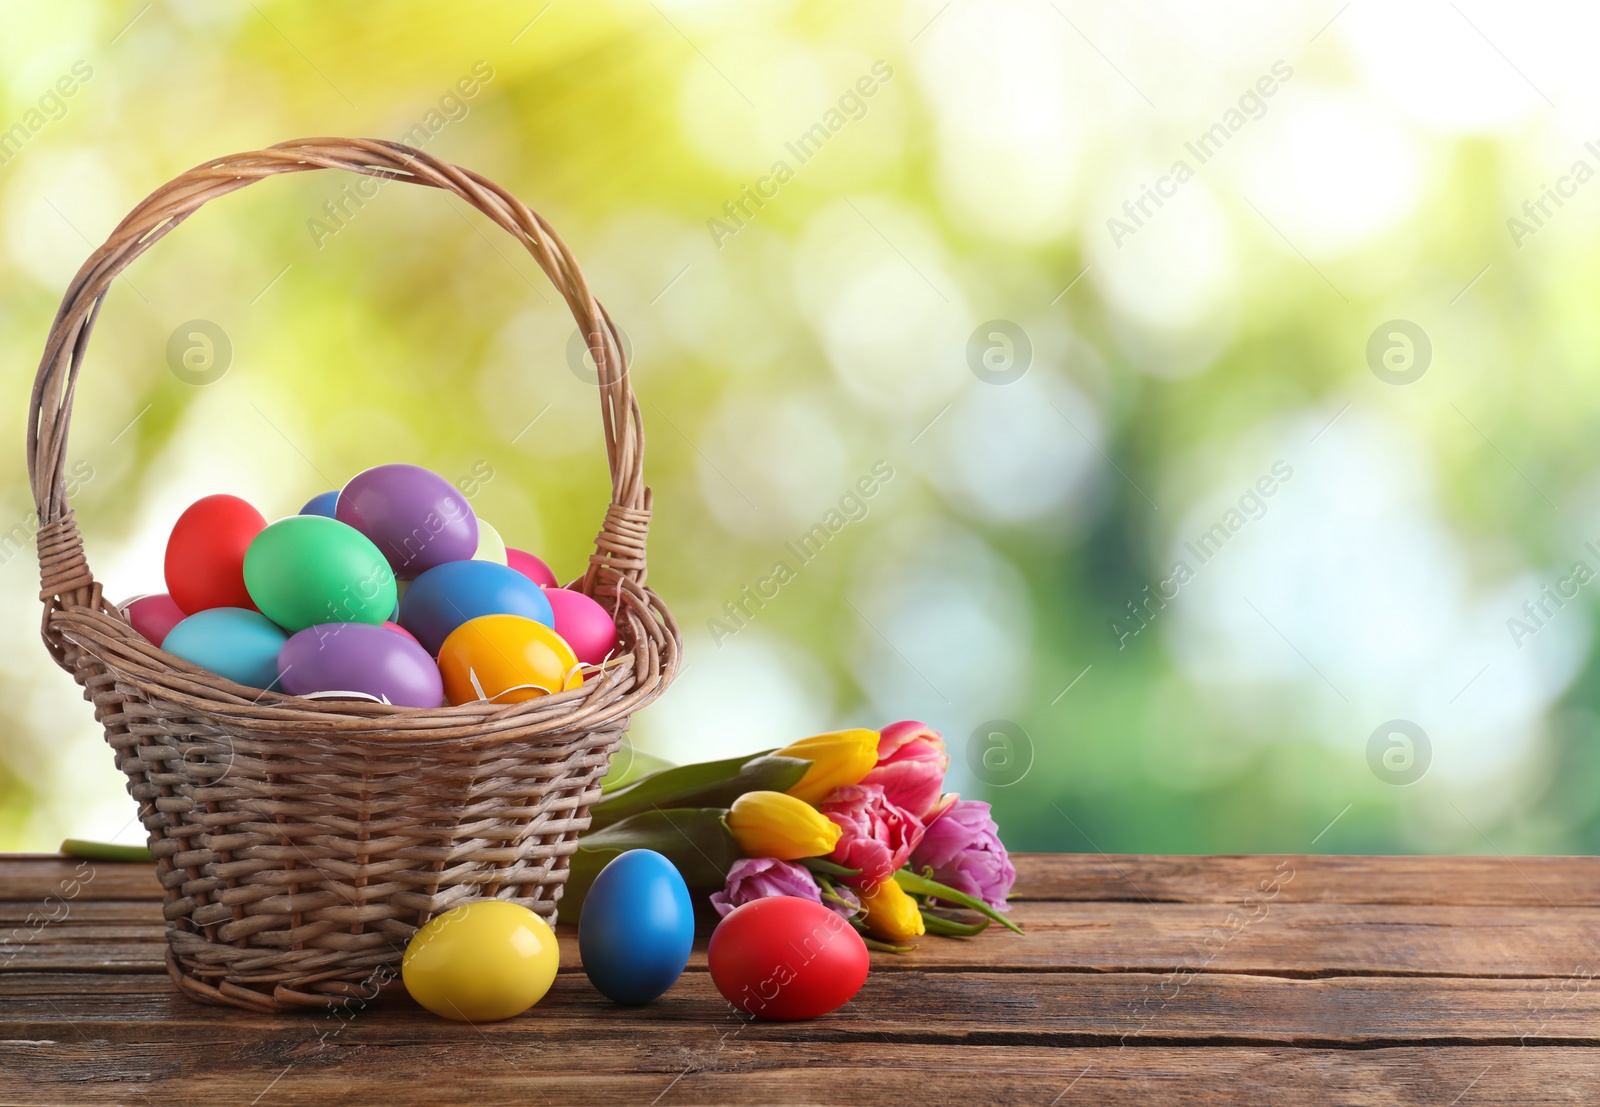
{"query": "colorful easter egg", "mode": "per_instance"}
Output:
(360, 657)
(152, 616)
(783, 957)
(588, 628)
(531, 567)
(416, 517)
(491, 547)
(308, 569)
(232, 642)
(636, 928)
(390, 624)
(205, 553)
(448, 595)
(322, 504)
(481, 962)
(506, 659)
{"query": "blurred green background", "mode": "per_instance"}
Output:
(1316, 365)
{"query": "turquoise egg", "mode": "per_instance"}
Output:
(636, 927)
(232, 642)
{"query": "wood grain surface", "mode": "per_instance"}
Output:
(1295, 979)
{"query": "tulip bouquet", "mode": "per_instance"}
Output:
(857, 820)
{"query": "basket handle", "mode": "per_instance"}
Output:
(65, 578)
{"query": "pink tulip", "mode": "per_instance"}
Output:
(910, 769)
(964, 851)
(876, 834)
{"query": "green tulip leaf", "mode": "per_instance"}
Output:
(629, 765)
(104, 851)
(822, 866)
(924, 886)
(708, 784)
(949, 928)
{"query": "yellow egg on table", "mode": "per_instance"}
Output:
(506, 659)
(481, 962)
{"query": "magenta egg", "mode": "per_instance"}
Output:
(363, 658)
(153, 616)
(416, 517)
(587, 627)
(398, 629)
(531, 567)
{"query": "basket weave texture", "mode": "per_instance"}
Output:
(301, 842)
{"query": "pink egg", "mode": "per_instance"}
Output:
(532, 568)
(398, 629)
(152, 616)
(587, 627)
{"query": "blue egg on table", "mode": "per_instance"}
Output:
(447, 595)
(359, 657)
(636, 927)
(233, 642)
(321, 504)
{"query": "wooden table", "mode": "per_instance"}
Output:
(1150, 980)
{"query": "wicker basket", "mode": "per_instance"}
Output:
(301, 842)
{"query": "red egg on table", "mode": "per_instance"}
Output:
(205, 554)
(531, 567)
(783, 957)
(152, 616)
(588, 628)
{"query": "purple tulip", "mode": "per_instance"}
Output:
(964, 850)
(757, 877)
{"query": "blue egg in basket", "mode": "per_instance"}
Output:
(321, 504)
(448, 595)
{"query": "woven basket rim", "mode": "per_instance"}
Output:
(78, 620)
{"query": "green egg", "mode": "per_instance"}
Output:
(309, 569)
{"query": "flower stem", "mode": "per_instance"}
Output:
(885, 947)
(924, 886)
(826, 867)
(949, 928)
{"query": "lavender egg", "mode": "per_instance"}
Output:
(363, 658)
(416, 517)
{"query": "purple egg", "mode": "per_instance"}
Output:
(416, 517)
(359, 657)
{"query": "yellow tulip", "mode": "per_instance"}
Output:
(891, 913)
(840, 758)
(771, 824)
